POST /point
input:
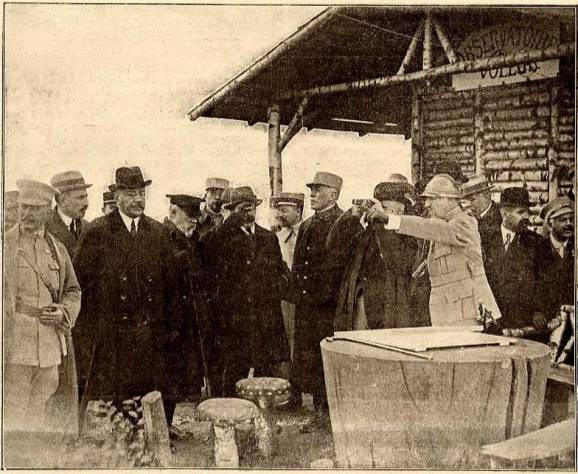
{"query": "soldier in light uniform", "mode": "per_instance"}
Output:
(289, 208)
(41, 303)
(211, 212)
(108, 202)
(458, 279)
(10, 209)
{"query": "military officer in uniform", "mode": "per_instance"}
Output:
(10, 209)
(67, 221)
(108, 202)
(289, 208)
(41, 303)
(314, 283)
(126, 267)
(211, 212)
(456, 270)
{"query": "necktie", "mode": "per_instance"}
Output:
(508, 240)
(133, 229)
(290, 236)
(73, 228)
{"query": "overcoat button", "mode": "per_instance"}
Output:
(248, 262)
(304, 292)
(123, 278)
(305, 277)
(123, 297)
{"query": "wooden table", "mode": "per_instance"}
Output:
(392, 410)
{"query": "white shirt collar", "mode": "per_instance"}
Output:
(285, 231)
(326, 209)
(128, 220)
(486, 211)
(67, 220)
(505, 232)
(247, 232)
(559, 246)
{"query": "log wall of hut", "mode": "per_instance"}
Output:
(518, 135)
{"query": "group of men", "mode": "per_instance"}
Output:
(209, 297)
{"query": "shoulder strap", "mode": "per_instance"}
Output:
(42, 279)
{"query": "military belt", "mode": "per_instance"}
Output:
(28, 310)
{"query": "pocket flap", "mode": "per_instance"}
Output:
(439, 250)
(458, 292)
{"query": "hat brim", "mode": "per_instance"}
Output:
(112, 187)
(310, 185)
(73, 187)
(231, 205)
(514, 204)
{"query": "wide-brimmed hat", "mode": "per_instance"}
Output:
(515, 197)
(288, 199)
(557, 207)
(323, 178)
(190, 204)
(216, 183)
(68, 181)
(242, 194)
(35, 193)
(476, 184)
(130, 178)
(395, 188)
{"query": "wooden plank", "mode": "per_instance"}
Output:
(427, 43)
(562, 375)
(409, 54)
(553, 440)
(516, 144)
(529, 185)
(518, 165)
(517, 101)
(536, 390)
(518, 396)
(274, 155)
(516, 154)
(516, 134)
(511, 125)
(450, 113)
(156, 430)
(441, 124)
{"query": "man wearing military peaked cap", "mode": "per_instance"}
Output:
(108, 202)
(126, 267)
(41, 304)
(323, 178)
(67, 222)
(454, 262)
(246, 271)
(211, 210)
(478, 191)
(10, 209)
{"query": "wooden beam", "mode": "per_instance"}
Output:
(302, 33)
(427, 43)
(476, 65)
(294, 126)
(554, 144)
(416, 137)
(411, 49)
(275, 171)
(445, 41)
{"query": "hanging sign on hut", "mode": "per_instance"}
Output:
(503, 40)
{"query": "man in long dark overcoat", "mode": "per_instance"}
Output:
(125, 265)
(374, 292)
(247, 270)
(315, 278)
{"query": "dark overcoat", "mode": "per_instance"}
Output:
(512, 276)
(315, 276)
(380, 269)
(132, 310)
(246, 274)
(489, 226)
(60, 230)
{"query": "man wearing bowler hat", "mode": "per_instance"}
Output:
(189, 358)
(41, 303)
(512, 264)
(67, 222)
(244, 260)
(108, 202)
(375, 286)
(211, 213)
(478, 191)
(314, 286)
(289, 207)
(125, 265)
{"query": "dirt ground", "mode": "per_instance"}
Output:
(193, 450)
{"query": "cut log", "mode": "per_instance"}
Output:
(450, 114)
(450, 95)
(463, 158)
(156, 430)
(566, 129)
(515, 144)
(520, 114)
(565, 138)
(566, 157)
(538, 197)
(529, 185)
(449, 132)
(518, 90)
(510, 125)
(517, 101)
(515, 154)
(518, 165)
(567, 120)
(455, 102)
(520, 176)
(416, 135)
(453, 149)
(515, 135)
(451, 141)
(440, 124)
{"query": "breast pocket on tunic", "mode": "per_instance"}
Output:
(461, 296)
(441, 256)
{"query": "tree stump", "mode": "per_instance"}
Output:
(391, 410)
(156, 429)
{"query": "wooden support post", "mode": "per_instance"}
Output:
(416, 165)
(156, 430)
(275, 173)
(554, 143)
(445, 41)
(411, 49)
(427, 43)
(294, 126)
(479, 132)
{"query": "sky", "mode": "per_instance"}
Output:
(95, 87)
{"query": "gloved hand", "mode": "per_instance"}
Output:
(539, 321)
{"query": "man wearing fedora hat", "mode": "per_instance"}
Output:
(189, 362)
(67, 222)
(41, 303)
(478, 191)
(211, 209)
(125, 266)
(375, 286)
(108, 202)
(454, 262)
(512, 263)
(245, 265)
(314, 287)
